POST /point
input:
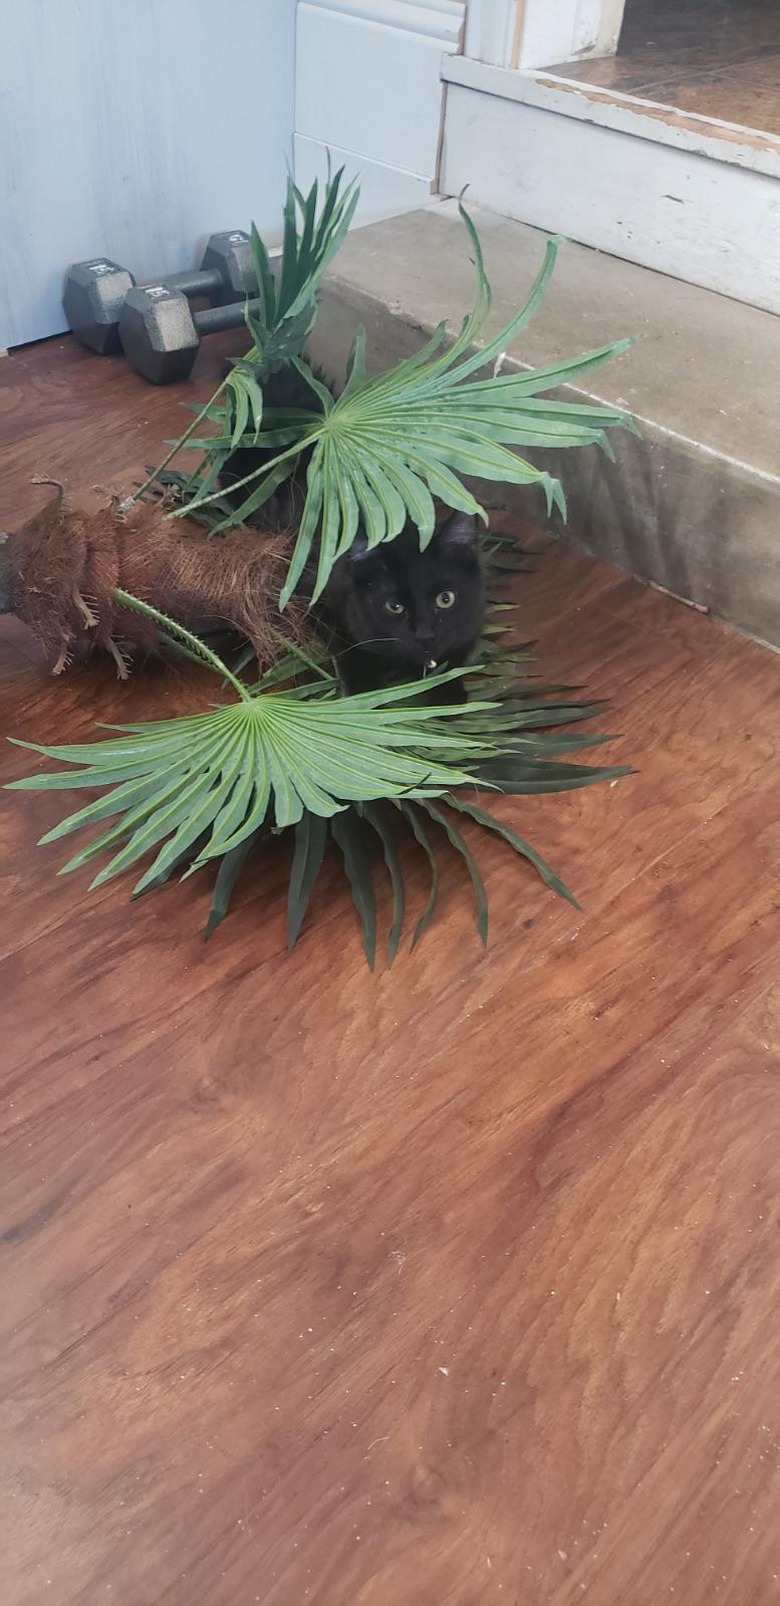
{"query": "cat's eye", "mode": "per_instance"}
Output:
(446, 599)
(394, 607)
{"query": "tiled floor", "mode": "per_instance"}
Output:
(720, 58)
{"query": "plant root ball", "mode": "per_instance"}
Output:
(61, 569)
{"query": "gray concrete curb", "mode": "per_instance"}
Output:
(694, 504)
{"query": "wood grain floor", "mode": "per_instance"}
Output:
(450, 1286)
(718, 58)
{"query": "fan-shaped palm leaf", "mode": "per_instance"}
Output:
(213, 786)
(215, 778)
(389, 445)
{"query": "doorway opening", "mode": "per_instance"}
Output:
(716, 58)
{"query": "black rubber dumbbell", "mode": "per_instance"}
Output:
(160, 333)
(95, 291)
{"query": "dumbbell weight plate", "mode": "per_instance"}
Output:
(230, 254)
(94, 293)
(160, 333)
(157, 333)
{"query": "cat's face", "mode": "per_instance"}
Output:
(417, 610)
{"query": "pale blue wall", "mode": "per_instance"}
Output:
(132, 129)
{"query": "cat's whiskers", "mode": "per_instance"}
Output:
(370, 641)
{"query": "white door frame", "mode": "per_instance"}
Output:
(539, 33)
(369, 90)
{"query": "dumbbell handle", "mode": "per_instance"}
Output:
(215, 319)
(195, 281)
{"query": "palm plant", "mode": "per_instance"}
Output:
(291, 755)
(387, 446)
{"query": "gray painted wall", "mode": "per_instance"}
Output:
(132, 129)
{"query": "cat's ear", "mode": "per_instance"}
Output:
(359, 549)
(459, 536)
(349, 568)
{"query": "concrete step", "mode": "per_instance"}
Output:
(694, 504)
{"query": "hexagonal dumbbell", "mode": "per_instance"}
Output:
(160, 334)
(95, 291)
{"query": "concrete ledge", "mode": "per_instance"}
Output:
(694, 506)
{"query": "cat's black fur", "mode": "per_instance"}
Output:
(394, 613)
(374, 644)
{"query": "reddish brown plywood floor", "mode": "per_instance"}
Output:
(457, 1284)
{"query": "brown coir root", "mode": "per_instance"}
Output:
(61, 569)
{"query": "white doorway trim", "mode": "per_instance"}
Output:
(369, 90)
(490, 31)
(539, 33)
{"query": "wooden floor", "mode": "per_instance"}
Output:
(718, 58)
(454, 1285)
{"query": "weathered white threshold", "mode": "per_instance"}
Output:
(688, 195)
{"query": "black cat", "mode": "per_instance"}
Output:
(394, 613)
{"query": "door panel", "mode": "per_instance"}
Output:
(133, 129)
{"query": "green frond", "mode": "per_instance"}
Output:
(268, 757)
(349, 834)
(373, 812)
(279, 328)
(388, 446)
(459, 843)
(311, 835)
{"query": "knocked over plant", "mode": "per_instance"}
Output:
(292, 753)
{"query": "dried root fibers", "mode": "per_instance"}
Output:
(60, 572)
